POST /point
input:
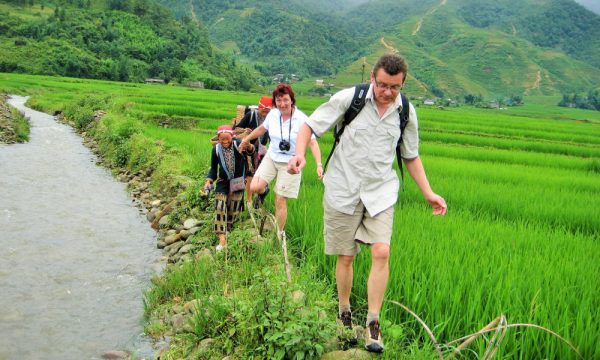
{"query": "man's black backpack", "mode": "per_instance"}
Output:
(357, 104)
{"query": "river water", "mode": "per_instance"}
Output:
(75, 253)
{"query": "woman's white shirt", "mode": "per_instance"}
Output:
(280, 130)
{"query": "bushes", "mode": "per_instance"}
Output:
(13, 126)
(279, 322)
(82, 111)
(244, 305)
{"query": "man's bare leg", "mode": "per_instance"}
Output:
(344, 275)
(378, 276)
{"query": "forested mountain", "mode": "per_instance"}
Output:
(127, 40)
(278, 37)
(454, 47)
(497, 47)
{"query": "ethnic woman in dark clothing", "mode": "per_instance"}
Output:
(227, 172)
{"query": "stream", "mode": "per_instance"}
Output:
(76, 253)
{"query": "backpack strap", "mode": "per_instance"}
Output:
(253, 115)
(403, 122)
(357, 104)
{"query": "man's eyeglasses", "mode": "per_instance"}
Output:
(392, 88)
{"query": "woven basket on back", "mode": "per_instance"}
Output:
(237, 133)
(239, 114)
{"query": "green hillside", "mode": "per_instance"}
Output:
(454, 48)
(448, 55)
(113, 40)
(558, 24)
(277, 37)
(492, 48)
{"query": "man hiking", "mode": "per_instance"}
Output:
(361, 186)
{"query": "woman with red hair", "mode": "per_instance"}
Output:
(282, 124)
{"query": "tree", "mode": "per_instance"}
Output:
(123, 69)
(591, 101)
(472, 99)
(515, 100)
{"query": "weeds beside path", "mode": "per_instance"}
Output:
(14, 128)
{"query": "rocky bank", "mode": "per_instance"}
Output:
(7, 123)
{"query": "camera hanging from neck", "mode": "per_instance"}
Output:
(285, 144)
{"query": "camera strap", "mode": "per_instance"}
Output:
(290, 128)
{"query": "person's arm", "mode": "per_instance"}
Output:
(316, 152)
(326, 116)
(244, 122)
(212, 173)
(298, 161)
(417, 172)
(255, 134)
(248, 150)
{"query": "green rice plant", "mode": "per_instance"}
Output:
(496, 131)
(500, 122)
(194, 148)
(518, 239)
(504, 156)
(187, 111)
(510, 144)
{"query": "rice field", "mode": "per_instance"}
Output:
(521, 237)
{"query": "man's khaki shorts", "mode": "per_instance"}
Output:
(344, 233)
(287, 184)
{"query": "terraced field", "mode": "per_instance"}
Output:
(521, 237)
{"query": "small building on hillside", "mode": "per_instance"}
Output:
(428, 102)
(319, 82)
(196, 84)
(154, 81)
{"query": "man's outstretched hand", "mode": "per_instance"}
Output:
(296, 164)
(438, 204)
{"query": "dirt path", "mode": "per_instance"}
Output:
(394, 50)
(428, 13)
(387, 46)
(536, 83)
(194, 17)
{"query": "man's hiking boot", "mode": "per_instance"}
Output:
(373, 340)
(346, 319)
(258, 200)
